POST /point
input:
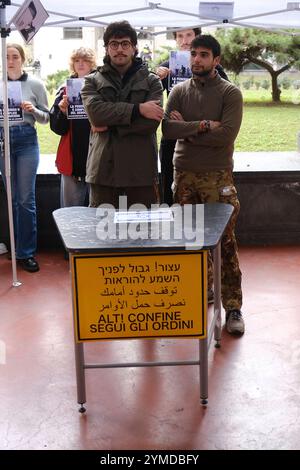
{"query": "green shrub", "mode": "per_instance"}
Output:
(285, 83)
(54, 80)
(161, 55)
(235, 80)
(296, 84)
(265, 84)
(247, 84)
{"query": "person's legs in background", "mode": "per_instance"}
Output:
(166, 153)
(24, 163)
(24, 159)
(100, 194)
(25, 152)
(73, 191)
(145, 195)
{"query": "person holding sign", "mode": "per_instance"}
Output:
(183, 41)
(204, 114)
(24, 157)
(74, 144)
(123, 101)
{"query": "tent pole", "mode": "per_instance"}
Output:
(4, 34)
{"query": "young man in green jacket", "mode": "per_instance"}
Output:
(123, 101)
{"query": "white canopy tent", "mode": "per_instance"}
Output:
(275, 15)
(270, 14)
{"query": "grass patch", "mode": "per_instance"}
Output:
(269, 127)
(48, 141)
(291, 96)
(266, 126)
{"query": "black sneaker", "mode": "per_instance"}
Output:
(210, 296)
(235, 324)
(29, 264)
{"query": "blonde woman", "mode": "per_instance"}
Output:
(24, 157)
(74, 189)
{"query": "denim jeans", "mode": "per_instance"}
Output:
(24, 160)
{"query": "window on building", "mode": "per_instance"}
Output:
(72, 33)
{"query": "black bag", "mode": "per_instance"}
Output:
(58, 120)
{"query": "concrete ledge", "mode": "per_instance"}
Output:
(268, 185)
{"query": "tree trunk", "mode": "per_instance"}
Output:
(275, 88)
(274, 75)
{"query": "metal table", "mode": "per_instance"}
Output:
(87, 238)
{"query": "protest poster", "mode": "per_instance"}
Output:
(75, 106)
(179, 65)
(14, 91)
(29, 19)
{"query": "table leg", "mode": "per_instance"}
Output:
(80, 375)
(203, 353)
(217, 294)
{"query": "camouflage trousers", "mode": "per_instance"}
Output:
(209, 187)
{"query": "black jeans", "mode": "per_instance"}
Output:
(166, 153)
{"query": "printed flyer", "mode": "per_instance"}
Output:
(75, 107)
(15, 112)
(179, 65)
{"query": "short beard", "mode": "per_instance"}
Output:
(205, 73)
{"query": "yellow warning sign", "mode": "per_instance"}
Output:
(140, 295)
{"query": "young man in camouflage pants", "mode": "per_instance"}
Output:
(205, 114)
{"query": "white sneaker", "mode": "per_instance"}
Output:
(235, 324)
(3, 249)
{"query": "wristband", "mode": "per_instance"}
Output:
(205, 126)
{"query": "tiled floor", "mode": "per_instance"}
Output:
(254, 381)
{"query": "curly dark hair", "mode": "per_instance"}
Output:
(207, 41)
(120, 29)
(196, 31)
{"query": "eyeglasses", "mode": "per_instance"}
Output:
(115, 44)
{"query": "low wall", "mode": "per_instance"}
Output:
(268, 185)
